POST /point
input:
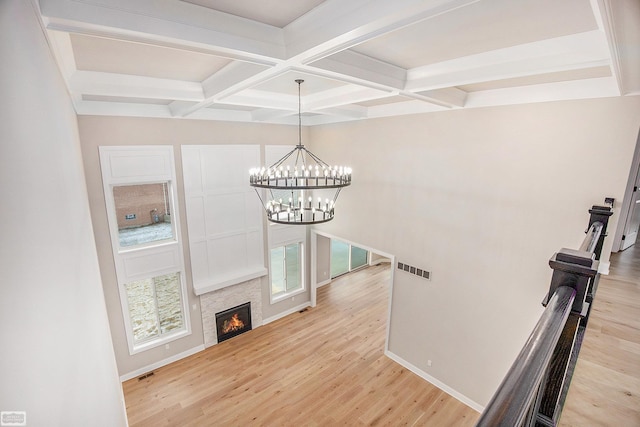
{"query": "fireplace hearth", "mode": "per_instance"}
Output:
(233, 321)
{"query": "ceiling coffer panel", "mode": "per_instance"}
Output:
(238, 60)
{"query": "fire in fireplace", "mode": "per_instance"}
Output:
(233, 321)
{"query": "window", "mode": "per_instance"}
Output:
(286, 270)
(346, 258)
(155, 307)
(143, 213)
(139, 185)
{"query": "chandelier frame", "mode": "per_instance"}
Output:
(309, 173)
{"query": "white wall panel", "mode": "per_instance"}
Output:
(127, 164)
(191, 163)
(224, 213)
(199, 261)
(196, 219)
(151, 263)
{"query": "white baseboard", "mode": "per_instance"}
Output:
(603, 268)
(286, 313)
(161, 363)
(462, 398)
(326, 282)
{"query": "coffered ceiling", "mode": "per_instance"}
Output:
(237, 60)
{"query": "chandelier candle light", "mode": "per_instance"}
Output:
(302, 189)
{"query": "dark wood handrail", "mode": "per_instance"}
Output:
(533, 391)
(510, 404)
(591, 239)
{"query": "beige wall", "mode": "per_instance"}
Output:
(482, 198)
(115, 131)
(323, 259)
(57, 361)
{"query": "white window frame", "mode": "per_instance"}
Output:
(301, 259)
(137, 165)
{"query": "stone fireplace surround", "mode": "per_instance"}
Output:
(225, 298)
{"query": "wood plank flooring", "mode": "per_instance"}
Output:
(321, 367)
(605, 389)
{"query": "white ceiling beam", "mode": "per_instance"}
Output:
(63, 53)
(448, 97)
(602, 87)
(229, 76)
(336, 25)
(101, 108)
(620, 22)
(268, 115)
(236, 38)
(168, 23)
(221, 115)
(324, 119)
(348, 111)
(342, 95)
(604, 17)
(225, 93)
(176, 107)
(263, 99)
(403, 108)
(363, 67)
(572, 52)
(125, 85)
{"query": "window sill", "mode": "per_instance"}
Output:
(282, 297)
(148, 345)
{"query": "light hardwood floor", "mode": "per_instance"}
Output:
(605, 389)
(326, 367)
(322, 367)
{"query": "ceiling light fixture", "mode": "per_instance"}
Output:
(301, 188)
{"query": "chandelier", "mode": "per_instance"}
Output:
(300, 188)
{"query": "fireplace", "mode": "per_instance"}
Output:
(233, 321)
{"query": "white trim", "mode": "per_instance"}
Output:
(442, 386)
(287, 295)
(603, 268)
(199, 289)
(285, 313)
(314, 286)
(159, 340)
(313, 269)
(151, 164)
(161, 363)
(301, 242)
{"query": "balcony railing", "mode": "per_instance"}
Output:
(533, 391)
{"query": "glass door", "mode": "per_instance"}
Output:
(346, 258)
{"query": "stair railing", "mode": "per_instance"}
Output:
(534, 390)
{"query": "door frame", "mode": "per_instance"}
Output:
(313, 287)
(628, 196)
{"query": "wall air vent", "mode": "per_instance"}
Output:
(143, 376)
(414, 270)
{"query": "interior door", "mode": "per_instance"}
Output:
(633, 219)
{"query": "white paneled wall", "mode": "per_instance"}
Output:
(224, 215)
